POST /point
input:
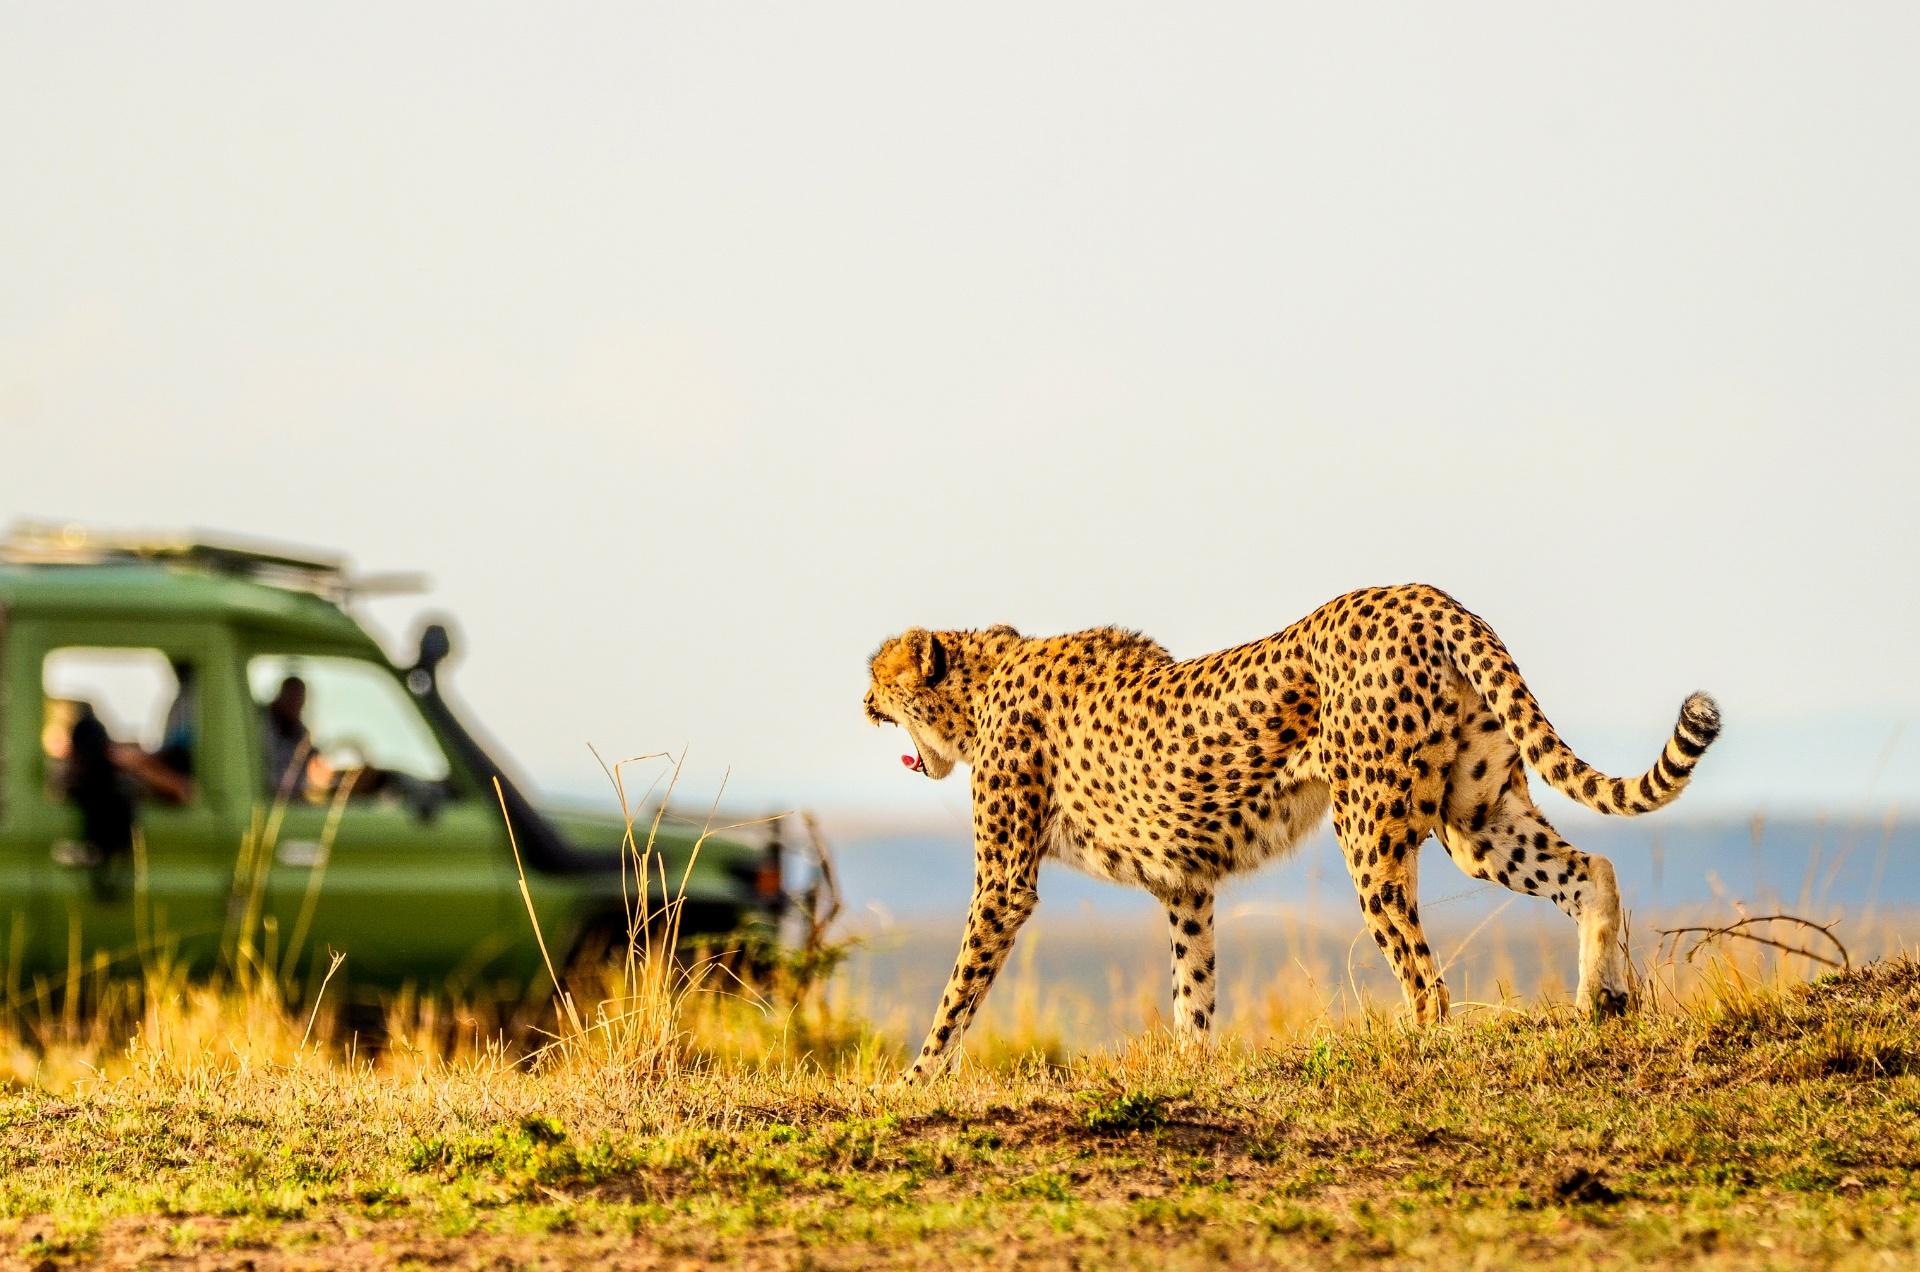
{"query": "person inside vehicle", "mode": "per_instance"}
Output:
(165, 774)
(297, 769)
(285, 740)
(177, 734)
(96, 786)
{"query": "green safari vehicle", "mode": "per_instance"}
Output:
(204, 757)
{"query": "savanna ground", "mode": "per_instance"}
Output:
(1749, 1114)
(1757, 1120)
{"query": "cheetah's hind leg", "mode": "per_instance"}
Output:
(1382, 852)
(1517, 847)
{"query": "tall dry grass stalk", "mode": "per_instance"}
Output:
(626, 1014)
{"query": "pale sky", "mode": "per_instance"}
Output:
(693, 349)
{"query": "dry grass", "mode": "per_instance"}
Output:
(1747, 1116)
(1763, 1124)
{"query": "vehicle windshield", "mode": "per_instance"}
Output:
(325, 719)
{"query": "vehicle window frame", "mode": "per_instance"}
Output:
(33, 637)
(460, 783)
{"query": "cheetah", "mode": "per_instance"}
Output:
(1394, 707)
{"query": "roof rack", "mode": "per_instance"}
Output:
(275, 565)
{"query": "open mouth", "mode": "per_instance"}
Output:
(914, 763)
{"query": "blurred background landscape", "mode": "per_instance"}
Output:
(690, 359)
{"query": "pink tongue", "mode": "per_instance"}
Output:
(912, 762)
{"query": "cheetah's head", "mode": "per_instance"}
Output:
(918, 686)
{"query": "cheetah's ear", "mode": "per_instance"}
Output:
(926, 660)
(936, 661)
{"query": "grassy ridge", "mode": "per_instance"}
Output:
(1750, 1128)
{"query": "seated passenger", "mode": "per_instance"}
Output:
(177, 734)
(167, 773)
(95, 787)
(285, 742)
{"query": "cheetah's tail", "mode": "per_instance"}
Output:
(1490, 669)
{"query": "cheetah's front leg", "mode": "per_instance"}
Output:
(1001, 903)
(1190, 928)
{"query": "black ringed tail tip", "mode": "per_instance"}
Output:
(1701, 718)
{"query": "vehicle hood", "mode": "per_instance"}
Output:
(596, 834)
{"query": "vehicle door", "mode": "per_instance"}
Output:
(373, 844)
(129, 803)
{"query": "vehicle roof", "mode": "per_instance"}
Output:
(166, 591)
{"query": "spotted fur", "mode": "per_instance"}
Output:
(1394, 707)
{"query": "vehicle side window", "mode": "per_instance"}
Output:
(328, 720)
(126, 720)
